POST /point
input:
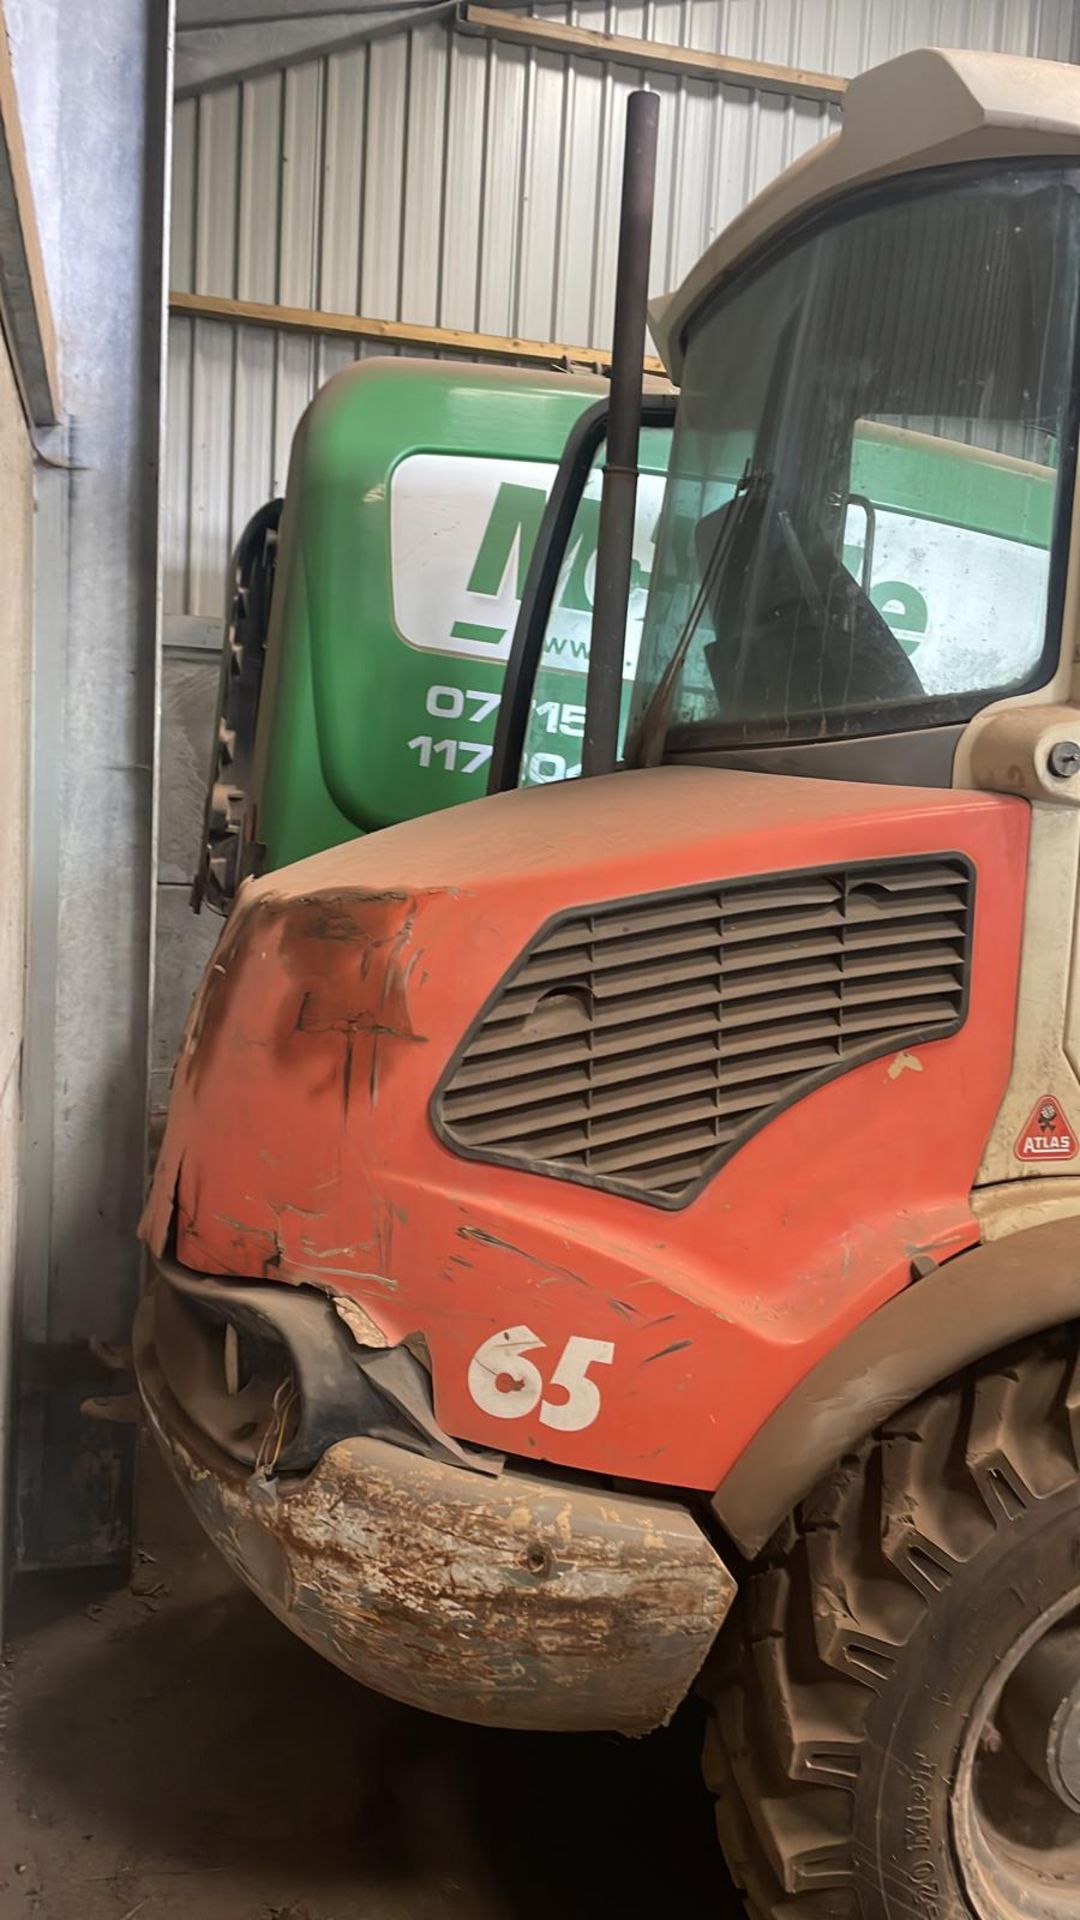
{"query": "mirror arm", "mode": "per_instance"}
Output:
(583, 442)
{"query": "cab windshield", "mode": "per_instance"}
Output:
(866, 509)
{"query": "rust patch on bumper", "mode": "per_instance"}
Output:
(523, 1602)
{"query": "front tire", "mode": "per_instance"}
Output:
(855, 1738)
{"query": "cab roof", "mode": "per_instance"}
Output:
(932, 107)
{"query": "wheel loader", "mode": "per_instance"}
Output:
(622, 1236)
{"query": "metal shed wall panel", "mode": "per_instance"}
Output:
(447, 180)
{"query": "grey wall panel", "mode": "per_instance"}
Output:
(262, 161)
(184, 943)
(176, 516)
(96, 102)
(16, 684)
(343, 180)
(189, 690)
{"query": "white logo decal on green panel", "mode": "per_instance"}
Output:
(958, 600)
(462, 531)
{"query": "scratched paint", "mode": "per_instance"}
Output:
(302, 1112)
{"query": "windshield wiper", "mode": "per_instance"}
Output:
(646, 746)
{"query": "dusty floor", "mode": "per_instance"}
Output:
(168, 1752)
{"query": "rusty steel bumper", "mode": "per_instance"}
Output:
(521, 1601)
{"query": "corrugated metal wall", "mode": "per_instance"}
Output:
(448, 180)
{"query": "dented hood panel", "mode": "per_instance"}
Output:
(299, 1144)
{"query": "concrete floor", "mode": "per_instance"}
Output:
(168, 1752)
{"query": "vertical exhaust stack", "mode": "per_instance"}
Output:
(615, 542)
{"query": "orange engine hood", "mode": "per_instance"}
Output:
(300, 1146)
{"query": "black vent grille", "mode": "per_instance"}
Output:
(635, 1046)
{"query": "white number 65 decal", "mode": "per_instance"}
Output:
(505, 1383)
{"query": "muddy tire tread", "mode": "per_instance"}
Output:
(839, 1593)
